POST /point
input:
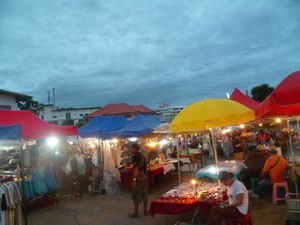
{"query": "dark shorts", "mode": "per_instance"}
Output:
(140, 192)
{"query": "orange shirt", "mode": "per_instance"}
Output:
(277, 173)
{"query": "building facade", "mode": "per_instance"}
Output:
(9, 99)
(64, 116)
(167, 114)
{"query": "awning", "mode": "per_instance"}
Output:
(102, 126)
(141, 125)
(284, 100)
(243, 99)
(10, 132)
(34, 127)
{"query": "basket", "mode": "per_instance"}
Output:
(293, 202)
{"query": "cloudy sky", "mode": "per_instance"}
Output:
(145, 52)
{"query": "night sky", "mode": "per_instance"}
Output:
(145, 52)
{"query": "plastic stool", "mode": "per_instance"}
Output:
(283, 184)
(246, 220)
(254, 183)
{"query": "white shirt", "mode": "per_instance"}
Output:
(239, 188)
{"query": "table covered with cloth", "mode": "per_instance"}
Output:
(174, 207)
(187, 198)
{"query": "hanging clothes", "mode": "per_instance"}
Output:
(39, 185)
(10, 199)
(50, 180)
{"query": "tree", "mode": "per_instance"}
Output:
(81, 122)
(68, 123)
(259, 93)
(29, 104)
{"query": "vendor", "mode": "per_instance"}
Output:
(238, 201)
(274, 171)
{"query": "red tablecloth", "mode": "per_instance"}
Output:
(126, 176)
(173, 207)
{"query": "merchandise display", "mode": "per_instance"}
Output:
(211, 171)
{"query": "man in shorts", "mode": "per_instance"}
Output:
(139, 183)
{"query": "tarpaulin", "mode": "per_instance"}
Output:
(102, 126)
(284, 100)
(34, 127)
(243, 99)
(10, 132)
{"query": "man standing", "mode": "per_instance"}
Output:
(276, 167)
(139, 181)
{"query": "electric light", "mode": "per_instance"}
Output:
(278, 120)
(133, 139)
(260, 124)
(212, 170)
(193, 182)
(115, 141)
(52, 141)
(152, 144)
(242, 126)
(163, 142)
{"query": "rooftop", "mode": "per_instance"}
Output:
(18, 96)
(120, 109)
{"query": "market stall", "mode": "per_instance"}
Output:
(283, 104)
(33, 128)
(209, 114)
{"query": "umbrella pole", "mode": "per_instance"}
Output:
(298, 126)
(215, 153)
(178, 161)
(23, 183)
(292, 152)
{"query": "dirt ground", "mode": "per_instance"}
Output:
(114, 210)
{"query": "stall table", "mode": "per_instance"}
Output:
(174, 206)
(194, 157)
(182, 199)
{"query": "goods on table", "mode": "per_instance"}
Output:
(202, 191)
(212, 171)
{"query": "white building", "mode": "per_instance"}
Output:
(9, 99)
(167, 114)
(64, 116)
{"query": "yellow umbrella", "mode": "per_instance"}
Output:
(211, 113)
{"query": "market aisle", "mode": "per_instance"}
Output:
(114, 210)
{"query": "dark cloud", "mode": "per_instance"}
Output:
(145, 52)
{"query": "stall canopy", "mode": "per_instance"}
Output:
(34, 127)
(103, 126)
(211, 113)
(284, 100)
(243, 99)
(139, 126)
(10, 132)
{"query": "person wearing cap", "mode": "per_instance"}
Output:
(238, 201)
(274, 171)
(139, 184)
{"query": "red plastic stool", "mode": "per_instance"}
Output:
(246, 220)
(283, 184)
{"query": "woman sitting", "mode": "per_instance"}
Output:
(238, 201)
